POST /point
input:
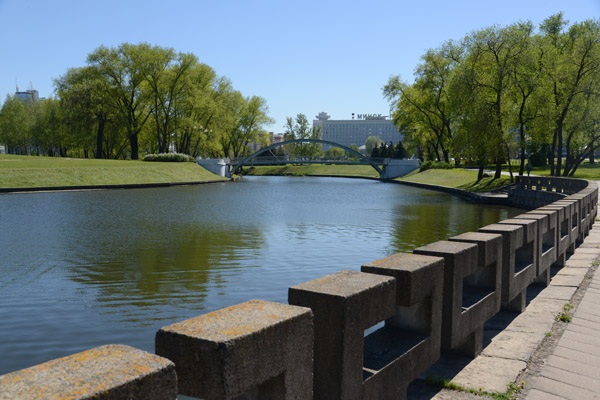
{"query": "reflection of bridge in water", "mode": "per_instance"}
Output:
(386, 168)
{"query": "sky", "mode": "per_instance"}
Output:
(302, 57)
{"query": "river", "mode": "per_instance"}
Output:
(84, 268)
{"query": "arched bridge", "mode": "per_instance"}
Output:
(353, 157)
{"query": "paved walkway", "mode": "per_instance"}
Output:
(531, 351)
(572, 371)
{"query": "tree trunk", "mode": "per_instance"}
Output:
(133, 142)
(100, 137)
(498, 172)
(559, 148)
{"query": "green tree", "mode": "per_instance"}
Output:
(571, 63)
(492, 52)
(84, 95)
(166, 74)
(371, 143)
(427, 103)
(122, 67)
(299, 128)
(251, 116)
(15, 126)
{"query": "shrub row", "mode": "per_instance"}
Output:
(434, 165)
(169, 157)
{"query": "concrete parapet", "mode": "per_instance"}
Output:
(107, 372)
(530, 238)
(409, 344)
(344, 304)
(551, 184)
(570, 222)
(518, 264)
(258, 348)
(563, 231)
(469, 294)
(578, 217)
(547, 240)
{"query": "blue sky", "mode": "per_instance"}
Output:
(302, 57)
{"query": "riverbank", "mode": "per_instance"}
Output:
(47, 173)
(452, 178)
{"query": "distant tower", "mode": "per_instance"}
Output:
(318, 122)
(323, 116)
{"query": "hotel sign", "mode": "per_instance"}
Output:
(371, 116)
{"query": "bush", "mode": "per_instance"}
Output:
(169, 157)
(434, 165)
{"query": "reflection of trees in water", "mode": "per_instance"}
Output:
(163, 264)
(438, 217)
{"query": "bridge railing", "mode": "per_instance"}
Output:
(303, 159)
(314, 347)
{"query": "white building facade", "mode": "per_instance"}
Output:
(356, 130)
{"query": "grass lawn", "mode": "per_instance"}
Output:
(314, 169)
(456, 178)
(584, 171)
(31, 171)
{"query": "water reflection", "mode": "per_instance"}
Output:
(185, 259)
(437, 217)
(82, 269)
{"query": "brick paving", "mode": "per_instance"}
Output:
(572, 371)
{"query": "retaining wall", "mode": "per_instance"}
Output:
(436, 299)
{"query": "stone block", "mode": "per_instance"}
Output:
(258, 348)
(470, 296)
(572, 225)
(108, 372)
(344, 304)
(518, 268)
(547, 239)
(414, 332)
(561, 220)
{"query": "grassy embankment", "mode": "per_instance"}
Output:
(457, 178)
(30, 171)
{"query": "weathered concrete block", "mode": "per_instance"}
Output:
(469, 294)
(409, 343)
(547, 244)
(518, 268)
(563, 223)
(344, 304)
(106, 372)
(258, 348)
(572, 221)
(530, 238)
(576, 207)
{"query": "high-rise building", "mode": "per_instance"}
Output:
(28, 95)
(356, 130)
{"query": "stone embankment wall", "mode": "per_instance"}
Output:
(436, 299)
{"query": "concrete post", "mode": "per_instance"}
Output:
(111, 372)
(470, 296)
(258, 349)
(410, 341)
(518, 268)
(344, 304)
(547, 244)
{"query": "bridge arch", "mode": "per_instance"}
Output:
(366, 160)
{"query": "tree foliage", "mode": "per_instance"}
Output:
(504, 91)
(136, 99)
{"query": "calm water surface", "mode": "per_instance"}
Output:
(82, 269)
